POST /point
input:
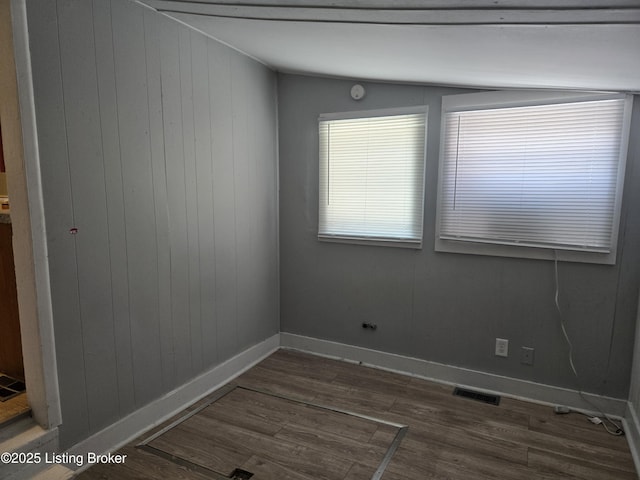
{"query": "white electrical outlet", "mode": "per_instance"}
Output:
(526, 355)
(502, 347)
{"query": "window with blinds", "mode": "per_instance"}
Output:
(544, 171)
(371, 186)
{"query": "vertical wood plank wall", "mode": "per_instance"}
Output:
(159, 145)
(442, 307)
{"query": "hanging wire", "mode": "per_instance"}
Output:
(618, 428)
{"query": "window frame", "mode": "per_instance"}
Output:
(365, 114)
(505, 99)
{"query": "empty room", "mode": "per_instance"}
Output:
(320, 240)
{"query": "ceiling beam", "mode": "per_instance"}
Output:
(427, 4)
(395, 16)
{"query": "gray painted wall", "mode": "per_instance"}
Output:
(159, 146)
(445, 307)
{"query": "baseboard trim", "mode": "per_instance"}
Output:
(25, 436)
(125, 430)
(452, 375)
(632, 432)
(135, 424)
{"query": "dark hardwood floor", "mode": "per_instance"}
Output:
(274, 425)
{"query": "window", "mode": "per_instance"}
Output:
(372, 176)
(532, 174)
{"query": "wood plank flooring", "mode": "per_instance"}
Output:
(448, 437)
(245, 426)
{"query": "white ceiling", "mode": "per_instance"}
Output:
(566, 44)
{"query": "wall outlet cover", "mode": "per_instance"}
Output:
(502, 347)
(527, 355)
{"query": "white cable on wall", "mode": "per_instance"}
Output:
(618, 428)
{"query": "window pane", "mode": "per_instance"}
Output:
(371, 177)
(539, 175)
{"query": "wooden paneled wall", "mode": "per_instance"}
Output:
(441, 307)
(158, 159)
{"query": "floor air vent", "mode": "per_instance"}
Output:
(239, 474)
(10, 387)
(479, 396)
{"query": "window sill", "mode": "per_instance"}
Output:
(511, 251)
(376, 242)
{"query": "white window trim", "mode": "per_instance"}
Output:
(362, 114)
(381, 112)
(515, 98)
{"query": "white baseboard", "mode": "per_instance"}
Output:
(25, 436)
(452, 375)
(632, 432)
(132, 426)
(151, 415)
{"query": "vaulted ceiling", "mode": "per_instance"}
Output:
(565, 44)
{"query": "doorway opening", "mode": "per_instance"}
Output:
(27, 359)
(13, 398)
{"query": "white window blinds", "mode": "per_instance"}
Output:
(545, 175)
(371, 176)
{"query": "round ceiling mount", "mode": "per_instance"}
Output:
(357, 92)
